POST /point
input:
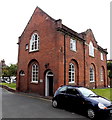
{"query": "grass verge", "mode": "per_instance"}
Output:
(11, 85)
(107, 92)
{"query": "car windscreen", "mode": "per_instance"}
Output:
(86, 92)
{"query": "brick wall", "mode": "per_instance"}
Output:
(50, 56)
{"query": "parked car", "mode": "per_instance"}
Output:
(83, 99)
(13, 79)
(6, 80)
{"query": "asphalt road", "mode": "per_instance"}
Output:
(25, 106)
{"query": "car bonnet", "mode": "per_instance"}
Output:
(102, 100)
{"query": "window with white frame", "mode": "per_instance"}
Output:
(34, 42)
(101, 74)
(91, 74)
(26, 47)
(72, 44)
(91, 49)
(35, 73)
(102, 56)
(71, 73)
(22, 73)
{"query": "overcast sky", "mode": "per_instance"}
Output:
(78, 15)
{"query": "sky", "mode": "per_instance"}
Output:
(78, 15)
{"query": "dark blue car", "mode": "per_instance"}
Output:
(83, 99)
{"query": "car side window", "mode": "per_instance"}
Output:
(72, 91)
(63, 89)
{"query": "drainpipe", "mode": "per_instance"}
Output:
(59, 25)
(64, 59)
(84, 65)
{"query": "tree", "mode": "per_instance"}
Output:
(9, 71)
(13, 70)
(109, 68)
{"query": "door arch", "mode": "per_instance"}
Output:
(49, 83)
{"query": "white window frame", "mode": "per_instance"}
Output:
(92, 74)
(91, 49)
(101, 74)
(22, 73)
(26, 47)
(34, 42)
(34, 78)
(71, 73)
(102, 57)
(73, 44)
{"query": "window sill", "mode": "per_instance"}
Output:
(72, 82)
(36, 82)
(92, 81)
(73, 50)
(91, 56)
(26, 49)
(33, 51)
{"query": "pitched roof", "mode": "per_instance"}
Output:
(65, 29)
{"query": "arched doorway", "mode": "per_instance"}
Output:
(49, 83)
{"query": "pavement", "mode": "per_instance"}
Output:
(25, 93)
(28, 106)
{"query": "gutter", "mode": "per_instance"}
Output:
(70, 33)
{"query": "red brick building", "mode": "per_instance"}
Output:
(51, 54)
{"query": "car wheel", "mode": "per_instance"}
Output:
(91, 113)
(55, 103)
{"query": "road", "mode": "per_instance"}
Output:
(16, 105)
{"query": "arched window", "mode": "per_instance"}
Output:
(91, 49)
(71, 73)
(101, 74)
(22, 73)
(92, 76)
(34, 42)
(35, 73)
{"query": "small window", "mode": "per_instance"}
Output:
(91, 49)
(34, 42)
(72, 44)
(22, 73)
(71, 73)
(102, 56)
(26, 47)
(91, 74)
